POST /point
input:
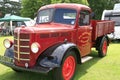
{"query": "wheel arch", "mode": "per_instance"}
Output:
(9, 52)
(108, 39)
(54, 59)
(77, 53)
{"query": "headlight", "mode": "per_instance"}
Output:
(35, 47)
(7, 43)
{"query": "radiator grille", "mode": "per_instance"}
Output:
(21, 47)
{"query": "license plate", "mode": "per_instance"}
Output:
(6, 59)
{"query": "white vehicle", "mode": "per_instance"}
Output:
(115, 16)
(116, 6)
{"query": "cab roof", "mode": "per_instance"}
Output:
(67, 5)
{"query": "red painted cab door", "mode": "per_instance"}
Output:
(84, 33)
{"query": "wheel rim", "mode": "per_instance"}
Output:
(104, 48)
(68, 68)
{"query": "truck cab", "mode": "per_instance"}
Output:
(62, 36)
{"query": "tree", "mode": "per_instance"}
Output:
(9, 7)
(30, 7)
(99, 5)
(71, 1)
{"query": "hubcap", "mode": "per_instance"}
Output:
(68, 68)
(104, 48)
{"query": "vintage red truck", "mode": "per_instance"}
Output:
(62, 36)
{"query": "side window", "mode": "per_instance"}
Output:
(84, 18)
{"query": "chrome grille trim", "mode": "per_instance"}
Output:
(22, 39)
(22, 52)
(24, 46)
(22, 59)
(15, 38)
(18, 43)
(22, 42)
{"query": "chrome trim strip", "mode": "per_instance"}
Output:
(15, 51)
(22, 59)
(22, 52)
(24, 39)
(16, 45)
(18, 42)
(15, 57)
(15, 39)
(24, 46)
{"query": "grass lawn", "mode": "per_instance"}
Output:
(107, 68)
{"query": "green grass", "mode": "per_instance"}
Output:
(107, 68)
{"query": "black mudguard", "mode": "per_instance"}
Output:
(55, 58)
(9, 52)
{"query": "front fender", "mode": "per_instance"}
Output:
(9, 52)
(55, 58)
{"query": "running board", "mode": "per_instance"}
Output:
(86, 58)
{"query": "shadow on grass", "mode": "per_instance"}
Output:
(12, 75)
(81, 71)
(116, 41)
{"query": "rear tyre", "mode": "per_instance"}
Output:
(102, 50)
(68, 67)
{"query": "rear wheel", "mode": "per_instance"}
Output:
(68, 67)
(102, 50)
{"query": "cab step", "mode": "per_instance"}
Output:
(86, 58)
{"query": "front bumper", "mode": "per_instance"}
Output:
(10, 63)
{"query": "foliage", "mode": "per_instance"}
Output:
(99, 5)
(71, 1)
(9, 7)
(31, 7)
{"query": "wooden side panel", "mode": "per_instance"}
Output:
(101, 28)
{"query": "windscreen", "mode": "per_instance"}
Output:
(60, 15)
(65, 16)
(45, 16)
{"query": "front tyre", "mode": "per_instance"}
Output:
(102, 51)
(68, 67)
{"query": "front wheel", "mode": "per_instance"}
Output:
(68, 67)
(103, 47)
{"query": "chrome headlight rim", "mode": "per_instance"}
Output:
(7, 43)
(35, 47)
